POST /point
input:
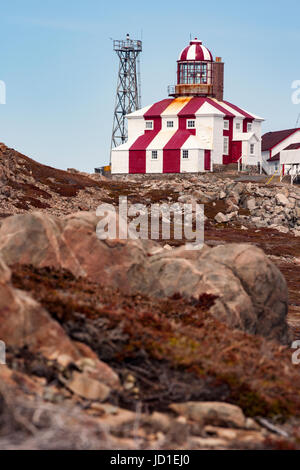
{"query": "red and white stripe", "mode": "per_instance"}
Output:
(196, 52)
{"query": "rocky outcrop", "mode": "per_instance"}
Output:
(24, 323)
(251, 293)
(72, 244)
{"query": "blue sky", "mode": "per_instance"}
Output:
(60, 70)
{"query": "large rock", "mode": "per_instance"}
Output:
(71, 243)
(251, 292)
(23, 322)
(214, 413)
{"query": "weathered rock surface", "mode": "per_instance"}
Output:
(24, 323)
(43, 240)
(251, 292)
(214, 413)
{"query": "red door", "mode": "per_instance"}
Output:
(207, 160)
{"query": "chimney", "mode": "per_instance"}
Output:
(218, 79)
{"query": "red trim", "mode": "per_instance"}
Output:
(220, 108)
(228, 133)
(190, 109)
(239, 110)
(245, 122)
(158, 108)
(296, 130)
(184, 53)
(199, 53)
(137, 152)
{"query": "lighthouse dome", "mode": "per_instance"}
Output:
(196, 51)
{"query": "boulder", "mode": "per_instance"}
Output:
(213, 413)
(281, 199)
(71, 243)
(221, 218)
(251, 204)
(251, 292)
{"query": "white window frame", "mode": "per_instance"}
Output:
(154, 154)
(238, 126)
(185, 154)
(191, 124)
(252, 149)
(225, 145)
(226, 125)
(150, 124)
(249, 126)
(170, 124)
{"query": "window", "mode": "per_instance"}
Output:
(170, 123)
(149, 124)
(185, 154)
(191, 124)
(252, 147)
(154, 155)
(226, 145)
(226, 124)
(194, 73)
(249, 127)
(238, 126)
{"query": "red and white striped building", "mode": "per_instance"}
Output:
(194, 128)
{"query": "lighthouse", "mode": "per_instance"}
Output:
(193, 130)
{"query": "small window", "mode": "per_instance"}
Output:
(170, 123)
(238, 126)
(185, 154)
(226, 124)
(249, 127)
(191, 124)
(252, 147)
(226, 145)
(149, 124)
(154, 155)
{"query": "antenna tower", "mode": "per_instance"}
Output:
(128, 96)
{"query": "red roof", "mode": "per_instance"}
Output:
(276, 157)
(293, 147)
(196, 52)
(271, 139)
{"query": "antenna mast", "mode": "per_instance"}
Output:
(128, 96)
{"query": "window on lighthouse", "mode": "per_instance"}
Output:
(193, 73)
(149, 125)
(226, 124)
(154, 155)
(185, 154)
(226, 146)
(191, 124)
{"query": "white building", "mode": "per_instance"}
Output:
(281, 151)
(192, 130)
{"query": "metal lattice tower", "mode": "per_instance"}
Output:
(128, 98)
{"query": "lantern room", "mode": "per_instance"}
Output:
(194, 64)
(197, 73)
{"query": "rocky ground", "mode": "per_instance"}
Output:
(132, 344)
